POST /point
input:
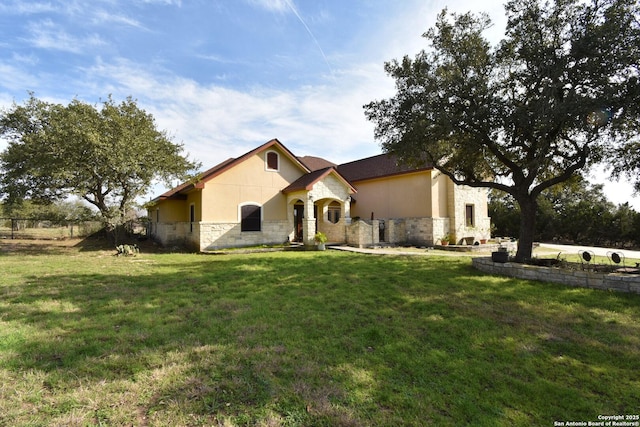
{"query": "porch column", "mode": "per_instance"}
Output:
(291, 220)
(309, 222)
(346, 211)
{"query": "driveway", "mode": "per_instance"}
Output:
(567, 249)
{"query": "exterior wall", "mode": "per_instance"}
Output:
(170, 211)
(459, 197)
(440, 195)
(335, 232)
(362, 233)
(412, 231)
(228, 235)
(395, 231)
(402, 196)
(177, 233)
(249, 181)
(422, 208)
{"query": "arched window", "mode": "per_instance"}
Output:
(333, 212)
(273, 161)
(250, 217)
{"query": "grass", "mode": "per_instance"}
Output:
(304, 339)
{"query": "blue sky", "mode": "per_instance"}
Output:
(224, 76)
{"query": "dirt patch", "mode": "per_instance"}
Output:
(88, 244)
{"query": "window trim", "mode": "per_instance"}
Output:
(241, 219)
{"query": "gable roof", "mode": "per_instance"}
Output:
(315, 163)
(226, 165)
(306, 182)
(315, 169)
(382, 165)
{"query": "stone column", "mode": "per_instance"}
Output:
(309, 222)
(346, 211)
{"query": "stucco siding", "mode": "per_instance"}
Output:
(249, 181)
(403, 196)
(170, 211)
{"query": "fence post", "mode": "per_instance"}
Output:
(13, 227)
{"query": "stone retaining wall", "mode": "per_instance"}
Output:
(619, 282)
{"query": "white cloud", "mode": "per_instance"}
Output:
(273, 5)
(215, 122)
(26, 7)
(14, 77)
(164, 2)
(103, 17)
(47, 35)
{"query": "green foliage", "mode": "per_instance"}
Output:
(574, 211)
(320, 237)
(107, 155)
(304, 339)
(559, 92)
(57, 212)
(626, 162)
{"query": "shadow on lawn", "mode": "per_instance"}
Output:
(334, 339)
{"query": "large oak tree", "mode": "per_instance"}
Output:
(108, 155)
(558, 93)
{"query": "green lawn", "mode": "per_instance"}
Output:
(304, 339)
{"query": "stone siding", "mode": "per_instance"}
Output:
(329, 188)
(586, 279)
(335, 232)
(361, 233)
(459, 197)
(216, 235)
(176, 233)
(395, 231)
(411, 231)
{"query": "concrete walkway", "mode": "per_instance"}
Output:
(404, 251)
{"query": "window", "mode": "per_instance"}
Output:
(469, 216)
(272, 161)
(192, 216)
(251, 216)
(334, 212)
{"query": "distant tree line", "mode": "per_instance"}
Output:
(58, 213)
(575, 213)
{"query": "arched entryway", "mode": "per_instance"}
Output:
(298, 217)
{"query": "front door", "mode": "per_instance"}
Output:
(298, 215)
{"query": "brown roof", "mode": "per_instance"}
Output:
(315, 163)
(306, 182)
(378, 166)
(317, 168)
(224, 166)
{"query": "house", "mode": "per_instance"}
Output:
(270, 196)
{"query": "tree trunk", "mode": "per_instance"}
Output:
(528, 208)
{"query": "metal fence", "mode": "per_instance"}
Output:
(21, 228)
